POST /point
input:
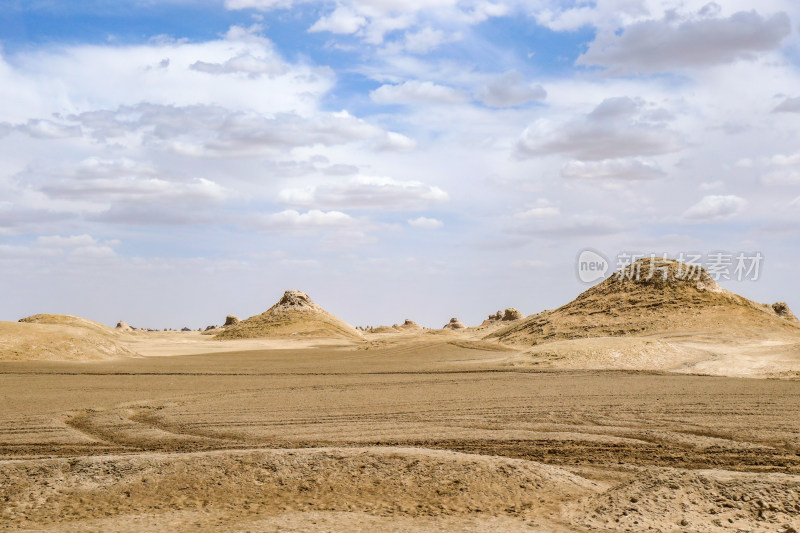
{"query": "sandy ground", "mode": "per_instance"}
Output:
(193, 342)
(418, 433)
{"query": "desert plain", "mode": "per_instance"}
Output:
(667, 404)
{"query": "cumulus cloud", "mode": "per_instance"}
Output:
(617, 128)
(78, 78)
(677, 43)
(114, 190)
(245, 63)
(789, 105)
(134, 189)
(124, 180)
(342, 20)
(782, 177)
(211, 130)
(711, 185)
(394, 142)
(73, 241)
(427, 39)
(618, 107)
(541, 209)
(622, 169)
(778, 169)
(715, 208)
(28, 216)
(425, 223)
(372, 20)
(48, 129)
(257, 4)
(417, 91)
(366, 192)
(79, 248)
(510, 90)
(569, 226)
(295, 220)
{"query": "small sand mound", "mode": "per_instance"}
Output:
(123, 326)
(454, 324)
(512, 314)
(294, 315)
(409, 324)
(231, 320)
(652, 296)
(60, 338)
(382, 329)
(705, 500)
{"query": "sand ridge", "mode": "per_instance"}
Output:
(61, 337)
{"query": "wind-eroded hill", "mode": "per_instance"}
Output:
(655, 297)
(295, 315)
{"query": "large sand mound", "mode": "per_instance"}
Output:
(244, 485)
(294, 315)
(59, 337)
(654, 296)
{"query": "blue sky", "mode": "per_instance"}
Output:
(168, 163)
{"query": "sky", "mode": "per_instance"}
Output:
(170, 162)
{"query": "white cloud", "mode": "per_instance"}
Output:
(677, 43)
(48, 247)
(779, 169)
(295, 220)
(621, 169)
(581, 226)
(619, 107)
(711, 185)
(75, 78)
(372, 20)
(510, 90)
(112, 190)
(47, 129)
(789, 105)
(93, 253)
(366, 192)
(541, 209)
(135, 189)
(425, 223)
(244, 63)
(782, 177)
(213, 131)
(427, 39)
(73, 241)
(617, 128)
(343, 20)
(394, 142)
(122, 181)
(417, 91)
(257, 4)
(780, 160)
(715, 208)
